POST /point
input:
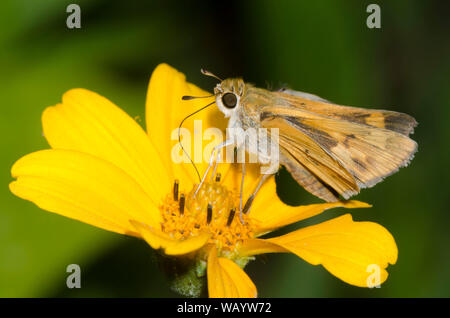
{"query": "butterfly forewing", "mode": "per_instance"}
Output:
(386, 119)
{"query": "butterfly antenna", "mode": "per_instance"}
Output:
(208, 73)
(181, 124)
(187, 97)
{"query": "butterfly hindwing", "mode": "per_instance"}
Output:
(299, 152)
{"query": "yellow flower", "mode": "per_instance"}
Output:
(104, 170)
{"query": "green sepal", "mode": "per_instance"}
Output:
(186, 276)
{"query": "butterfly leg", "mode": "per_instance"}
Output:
(219, 152)
(211, 161)
(242, 192)
(248, 204)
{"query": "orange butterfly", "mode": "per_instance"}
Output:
(330, 150)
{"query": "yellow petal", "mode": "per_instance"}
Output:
(90, 123)
(232, 177)
(269, 212)
(84, 188)
(164, 112)
(159, 240)
(355, 252)
(227, 280)
(257, 246)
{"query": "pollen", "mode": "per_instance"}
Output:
(214, 209)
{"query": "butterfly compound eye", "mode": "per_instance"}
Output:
(229, 100)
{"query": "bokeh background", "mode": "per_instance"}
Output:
(322, 47)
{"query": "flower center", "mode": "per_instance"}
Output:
(214, 209)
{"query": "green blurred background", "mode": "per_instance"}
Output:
(322, 47)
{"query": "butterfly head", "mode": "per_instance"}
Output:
(228, 95)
